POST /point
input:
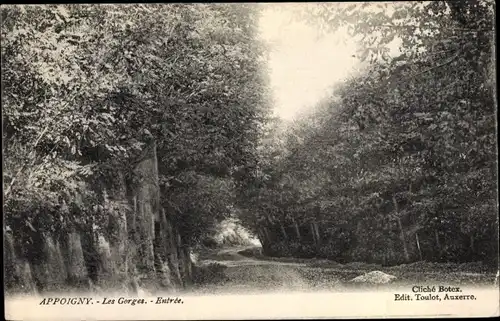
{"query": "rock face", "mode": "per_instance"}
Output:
(18, 272)
(139, 244)
(374, 277)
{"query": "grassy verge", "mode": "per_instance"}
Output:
(470, 272)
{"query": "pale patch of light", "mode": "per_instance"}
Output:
(303, 67)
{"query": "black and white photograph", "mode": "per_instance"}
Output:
(213, 161)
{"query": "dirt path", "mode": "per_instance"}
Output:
(231, 258)
(251, 274)
(247, 274)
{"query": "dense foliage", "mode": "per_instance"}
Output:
(400, 163)
(87, 88)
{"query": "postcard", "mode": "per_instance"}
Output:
(216, 161)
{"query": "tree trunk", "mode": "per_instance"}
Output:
(297, 230)
(438, 243)
(260, 237)
(161, 244)
(173, 258)
(313, 233)
(317, 233)
(267, 235)
(418, 246)
(283, 231)
(133, 224)
(188, 264)
(401, 229)
(264, 241)
(184, 262)
(403, 240)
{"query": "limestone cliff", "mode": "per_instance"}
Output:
(137, 246)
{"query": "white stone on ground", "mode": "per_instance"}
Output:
(374, 277)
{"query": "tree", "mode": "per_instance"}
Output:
(89, 89)
(390, 171)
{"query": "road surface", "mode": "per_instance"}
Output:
(238, 273)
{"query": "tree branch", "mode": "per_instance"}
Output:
(438, 66)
